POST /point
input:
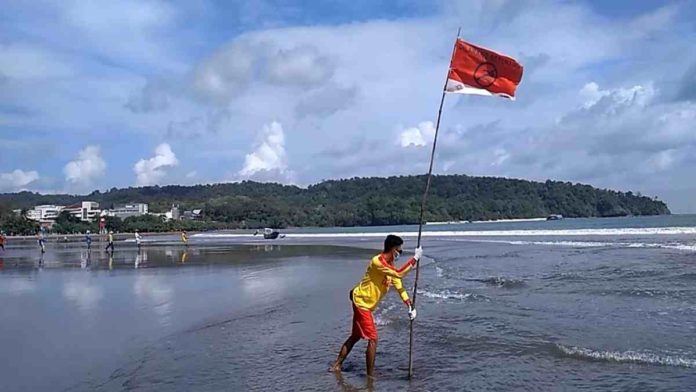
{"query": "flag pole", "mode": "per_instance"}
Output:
(422, 208)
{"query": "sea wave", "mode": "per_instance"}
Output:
(451, 295)
(502, 282)
(671, 294)
(626, 357)
(482, 233)
(594, 244)
(574, 244)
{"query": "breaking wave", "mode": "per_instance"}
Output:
(626, 357)
(595, 244)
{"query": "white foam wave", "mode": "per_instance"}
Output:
(575, 244)
(483, 233)
(684, 247)
(446, 294)
(593, 244)
(382, 321)
(627, 357)
(381, 317)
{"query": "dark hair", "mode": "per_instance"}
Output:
(391, 242)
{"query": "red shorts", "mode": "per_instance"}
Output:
(363, 324)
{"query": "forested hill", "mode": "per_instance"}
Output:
(369, 201)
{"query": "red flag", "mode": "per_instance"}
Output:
(481, 71)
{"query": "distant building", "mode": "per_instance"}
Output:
(44, 213)
(86, 211)
(192, 215)
(126, 210)
(173, 214)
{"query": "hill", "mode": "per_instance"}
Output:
(368, 201)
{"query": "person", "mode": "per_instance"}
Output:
(380, 275)
(138, 239)
(110, 240)
(88, 240)
(2, 240)
(184, 237)
(41, 241)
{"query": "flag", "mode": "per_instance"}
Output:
(481, 71)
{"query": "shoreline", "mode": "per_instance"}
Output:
(347, 231)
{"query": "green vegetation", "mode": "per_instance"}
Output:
(16, 224)
(350, 202)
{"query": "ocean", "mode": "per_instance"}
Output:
(577, 304)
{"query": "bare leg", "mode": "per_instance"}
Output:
(345, 350)
(370, 355)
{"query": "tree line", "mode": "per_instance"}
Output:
(347, 202)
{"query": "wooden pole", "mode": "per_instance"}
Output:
(422, 210)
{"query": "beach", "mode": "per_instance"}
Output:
(604, 305)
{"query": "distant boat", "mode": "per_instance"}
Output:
(269, 234)
(554, 217)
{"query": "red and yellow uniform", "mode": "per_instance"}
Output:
(379, 276)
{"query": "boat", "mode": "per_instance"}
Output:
(553, 217)
(269, 234)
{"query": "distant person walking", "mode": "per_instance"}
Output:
(41, 241)
(138, 239)
(110, 240)
(2, 240)
(184, 237)
(88, 240)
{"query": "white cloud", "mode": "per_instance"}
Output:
(268, 160)
(151, 171)
(88, 166)
(639, 95)
(301, 66)
(417, 136)
(17, 179)
(227, 73)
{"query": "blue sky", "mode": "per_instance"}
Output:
(126, 93)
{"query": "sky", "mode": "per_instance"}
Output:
(95, 95)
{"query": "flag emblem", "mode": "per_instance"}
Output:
(485, 74)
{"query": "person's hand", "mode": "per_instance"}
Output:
(418, 253)
(412, 313)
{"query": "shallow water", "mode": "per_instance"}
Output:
(498, 313)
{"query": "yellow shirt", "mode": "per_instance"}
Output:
(379, 276)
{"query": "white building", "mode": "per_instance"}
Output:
(44, 213)
(126, 210)
(86, 211)
(172, 214)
